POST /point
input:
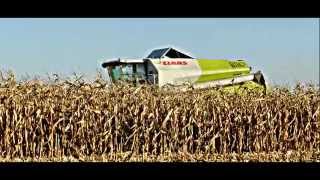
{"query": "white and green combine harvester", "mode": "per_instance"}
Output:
(171, 67)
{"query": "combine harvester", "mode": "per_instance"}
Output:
(171, 67)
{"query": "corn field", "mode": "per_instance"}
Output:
(79, 121)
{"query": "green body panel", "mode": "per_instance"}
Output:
(221, 69)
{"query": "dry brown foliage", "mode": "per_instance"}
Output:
(65, 120)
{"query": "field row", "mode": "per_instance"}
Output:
(83, 120)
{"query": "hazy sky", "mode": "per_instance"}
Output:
(286, 50)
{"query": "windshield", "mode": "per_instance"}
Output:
(126, 72)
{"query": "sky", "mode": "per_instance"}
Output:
(286, 50)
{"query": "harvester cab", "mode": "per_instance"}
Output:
(169, 66)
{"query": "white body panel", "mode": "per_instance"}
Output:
(184, 70)
(131, 60)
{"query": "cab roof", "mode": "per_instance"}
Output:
(168, 52)
(155, 54)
